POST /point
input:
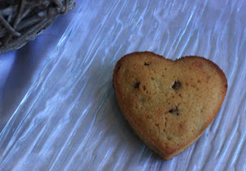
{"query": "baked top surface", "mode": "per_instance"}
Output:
(170, 102)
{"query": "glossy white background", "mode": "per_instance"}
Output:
(64, 113)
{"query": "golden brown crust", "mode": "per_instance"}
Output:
(158, 112)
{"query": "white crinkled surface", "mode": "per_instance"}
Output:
(69, 119)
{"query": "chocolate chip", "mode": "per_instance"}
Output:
(118, 68)
(174, 110)
(146, 64)
(137, 85)
(157, 125)
(144, 88)
(176, 85)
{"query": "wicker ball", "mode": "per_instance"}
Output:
(22, 20)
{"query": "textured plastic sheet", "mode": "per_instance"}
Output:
(69, 119)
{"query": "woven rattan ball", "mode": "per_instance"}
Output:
(22, 20)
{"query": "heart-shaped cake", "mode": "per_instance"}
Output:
(168, 104)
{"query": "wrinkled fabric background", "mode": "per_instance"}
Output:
(58, 89)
